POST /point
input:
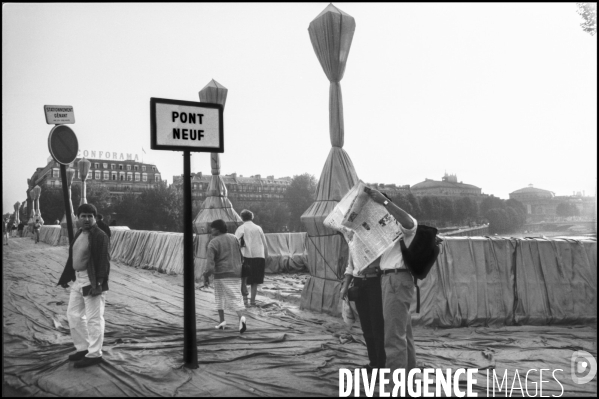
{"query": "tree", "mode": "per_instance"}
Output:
(272, 216)
(51, 204)
(402, 201)
(562, 210)
(489, 203)
(498, 220)
(588, 12)
(447, 210)
(300, 195)
(416, 211)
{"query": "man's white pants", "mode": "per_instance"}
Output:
(86, 317)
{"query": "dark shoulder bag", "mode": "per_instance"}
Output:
(421, 255)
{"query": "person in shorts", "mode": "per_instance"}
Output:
(255, 252)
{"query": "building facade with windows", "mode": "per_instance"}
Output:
(240, 189)
(118, 176)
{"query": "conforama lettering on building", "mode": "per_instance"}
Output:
(107, 155)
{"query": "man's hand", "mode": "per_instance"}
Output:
(375, 195)
(95, 291)
(343, 292)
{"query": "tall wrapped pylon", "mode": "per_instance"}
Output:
(37, 215)
(16, 206)
(331, 34)
(64, 232)
(216, 205)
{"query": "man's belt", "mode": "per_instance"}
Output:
(373, 273)
(387, 271)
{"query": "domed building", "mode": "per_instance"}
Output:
(448, 186)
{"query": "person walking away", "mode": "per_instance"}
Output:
(20, 229)
(5, 230)
(224, 261)
(397, 287)
(88, 266)
(14, 229)
(255, 252)
(369, 303)
(36, 230)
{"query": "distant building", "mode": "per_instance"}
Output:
(239, 189)
(118, 176)
(541, 205)
(448, 186)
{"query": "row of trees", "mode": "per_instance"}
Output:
(565, 210)
(161, 208)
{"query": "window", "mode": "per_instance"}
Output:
(120, 167)
(137, 177)
(129, 177)
(97, 175)
(135, 167)
(97, 165)
(54, 173)
(128, 167)
(122, 177)
(195, 186)
(114, 176)
(105, 165)
(112, 166)
(154, 168)
(144, 177)
(106, 175)
(157, 177)
(143, 168)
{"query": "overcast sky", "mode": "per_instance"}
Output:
(501, 94)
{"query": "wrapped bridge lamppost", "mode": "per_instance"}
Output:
(16, 206)
(331, 34)
(64, 233)
(84, 166)
(216, 205)
(37, 215)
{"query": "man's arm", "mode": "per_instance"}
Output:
(399, 214)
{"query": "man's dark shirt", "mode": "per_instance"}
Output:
(104, 227)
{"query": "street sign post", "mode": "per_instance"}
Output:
(63, 146)
(187, 126)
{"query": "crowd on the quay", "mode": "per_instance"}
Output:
(382, 292)
(14, 229)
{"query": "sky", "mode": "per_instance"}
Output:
(501, 94)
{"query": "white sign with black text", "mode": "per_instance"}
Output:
(185, 125)
(59, 114)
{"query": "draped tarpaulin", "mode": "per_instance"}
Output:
(163, 251)
(285, 351)
(331, 34)
(216, 205)
(484, 281)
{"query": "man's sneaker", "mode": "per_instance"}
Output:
(88, 361)
(242, 326)
(77, 356)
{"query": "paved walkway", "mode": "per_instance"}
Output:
(285, 351)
